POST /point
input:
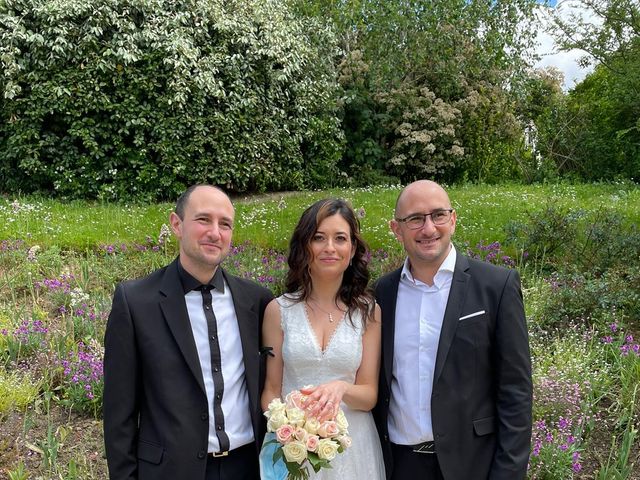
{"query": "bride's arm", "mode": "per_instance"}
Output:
(363, 394)
(272, 336)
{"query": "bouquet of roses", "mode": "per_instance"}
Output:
(301, 439)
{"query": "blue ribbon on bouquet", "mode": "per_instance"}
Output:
(268, 469)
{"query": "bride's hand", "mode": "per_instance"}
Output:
(324, 400)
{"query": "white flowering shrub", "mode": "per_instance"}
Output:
(423, 133)
(118, 99)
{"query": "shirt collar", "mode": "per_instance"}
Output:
(189, 283)
(448, 265)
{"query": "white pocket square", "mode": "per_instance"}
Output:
(474, 314)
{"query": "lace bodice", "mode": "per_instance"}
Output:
(304, 361)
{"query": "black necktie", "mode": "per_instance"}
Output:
(216, 367)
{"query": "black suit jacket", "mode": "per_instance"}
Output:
(155, 405)
(482, 390)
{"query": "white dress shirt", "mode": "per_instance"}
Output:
(418, 320)
(235, 400)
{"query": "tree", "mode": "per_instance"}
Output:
(467, 53)
(602, 138)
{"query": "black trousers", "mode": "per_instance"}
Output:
(408, 465)
(240, 464)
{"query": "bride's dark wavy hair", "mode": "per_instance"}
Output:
(354, 291)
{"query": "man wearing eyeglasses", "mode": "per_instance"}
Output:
(455, 393)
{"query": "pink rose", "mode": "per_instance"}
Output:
(284, 433)
(312, 442)
(345, 441)
(328, 429)
(295, 399)
(300, 434)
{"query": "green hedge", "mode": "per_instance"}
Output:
(121, 99)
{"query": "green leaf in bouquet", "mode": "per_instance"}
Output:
(317, 463)
(296, 471)
(278, 454)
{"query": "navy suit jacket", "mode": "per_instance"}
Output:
(156, 422)
(482, 390)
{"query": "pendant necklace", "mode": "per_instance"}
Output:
(329, 314)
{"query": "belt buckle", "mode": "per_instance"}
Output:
(219, 454)
(426, 447)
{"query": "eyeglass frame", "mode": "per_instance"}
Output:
(424, 217)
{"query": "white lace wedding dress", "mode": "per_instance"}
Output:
(306, 364)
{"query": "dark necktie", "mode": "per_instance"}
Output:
(216, 366)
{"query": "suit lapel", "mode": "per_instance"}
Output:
(457, 295)
(249, 337)
(175, 313)
(388, 302)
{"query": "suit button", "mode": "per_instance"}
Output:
(386, 437)
(219, 427)
(201, 454)
(386, 400)
(204, 416)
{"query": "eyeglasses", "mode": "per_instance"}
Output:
(417, 220)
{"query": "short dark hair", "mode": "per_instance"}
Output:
(181, 203)
(354, 291)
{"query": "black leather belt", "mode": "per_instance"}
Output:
(424, 447)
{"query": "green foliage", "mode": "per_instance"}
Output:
(16, 391)
(363, 162)
(582, 384)
(574, 239)
(119, 99)
(491, 135)
(619, 465)
(595, 133)
(607, 112)
(83, 382)
(586, 261)
(19, 472)
(422, 133)
(425, 86)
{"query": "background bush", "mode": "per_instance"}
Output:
(589, 261)
(116, 99)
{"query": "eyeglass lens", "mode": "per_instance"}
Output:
(438, 217)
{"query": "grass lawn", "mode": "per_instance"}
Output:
(59, 262)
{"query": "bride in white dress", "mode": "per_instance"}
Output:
(325, 332)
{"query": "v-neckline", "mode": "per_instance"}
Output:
(316, 341)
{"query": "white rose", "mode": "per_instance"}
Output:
(275, 406)
(295, 416)
(276, 420)
(295, 451)
(312, 425)
(327, 449)
(341, 421)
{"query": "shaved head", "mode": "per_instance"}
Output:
(422, 188)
